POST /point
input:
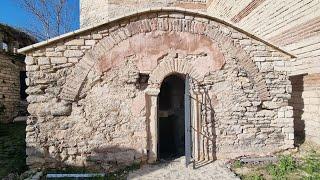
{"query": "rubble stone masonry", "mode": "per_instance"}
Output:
(88, 109)
(10, 68)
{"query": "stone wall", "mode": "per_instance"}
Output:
(88, 108)
(306, 103)
(10, 67)
(98, 11)
(290, 25)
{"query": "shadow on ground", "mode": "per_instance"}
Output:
(12, 148)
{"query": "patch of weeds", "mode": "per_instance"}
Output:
(238, 164)
(311, 165)
(253, 177)
(285, 166)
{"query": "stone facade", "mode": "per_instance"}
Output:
(89, 108)
(12, 68)
(290, 25)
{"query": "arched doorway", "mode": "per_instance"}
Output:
(171, 142)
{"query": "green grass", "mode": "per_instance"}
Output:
(311, 166)
(238, 164)
(306, 167)
(12, 149)
(253, 177)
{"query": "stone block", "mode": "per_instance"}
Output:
(60, 108)
(61, 48)
(59, 60)
(97, 36)
(90, 42)
(32, 68)
(73, 53)
(271, 105)
(54, 54)
(75, 42)
(43, 61)
(29, 60)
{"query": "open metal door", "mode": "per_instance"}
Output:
(187, 117)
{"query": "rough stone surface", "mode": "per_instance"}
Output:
(176, 170)
(12, 66)
(97, 11)
(84, 113)
(306, 106)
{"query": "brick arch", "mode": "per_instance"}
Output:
(169, 67)
(162, 21)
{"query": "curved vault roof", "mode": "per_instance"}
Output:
(145, 11)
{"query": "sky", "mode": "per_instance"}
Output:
(12, 14)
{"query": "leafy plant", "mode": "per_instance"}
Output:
(279, 171)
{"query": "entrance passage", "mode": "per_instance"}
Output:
(171, 117)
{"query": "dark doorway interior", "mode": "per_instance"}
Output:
(171, 117)
(23, 86)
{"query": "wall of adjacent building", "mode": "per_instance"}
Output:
(10, 68)
(291, 25)
(306, 104)
(97, 11)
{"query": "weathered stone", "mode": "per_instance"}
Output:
(53, 54)
(29, 60)
(43, 61)
(271, 105)
(90, 42)
(32, 68)
(73, 53)
(60, 108)
(59, 60)
(75, 42)
(100, 103)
